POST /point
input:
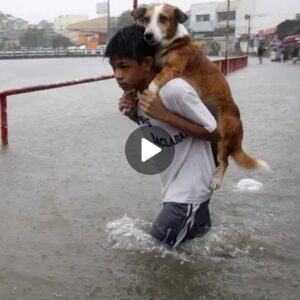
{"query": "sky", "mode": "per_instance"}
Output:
(34, 11)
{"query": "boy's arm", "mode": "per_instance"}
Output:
(192, 128)
(152, 105)
(127, 105)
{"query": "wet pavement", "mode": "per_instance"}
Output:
(74, 216)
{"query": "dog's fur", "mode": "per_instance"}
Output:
(178, 56)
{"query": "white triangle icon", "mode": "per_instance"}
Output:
(148, 150)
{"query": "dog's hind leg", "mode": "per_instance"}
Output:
(223, 151)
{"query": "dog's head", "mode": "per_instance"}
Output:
(160, 21)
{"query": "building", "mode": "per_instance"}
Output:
(91, 33)
(62, 22)
(208, 21)
(221, 24)
(202, 20)
(269, 36)
(11, 30)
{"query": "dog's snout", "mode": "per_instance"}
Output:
(149, 36)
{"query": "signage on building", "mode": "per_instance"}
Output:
(102, 8)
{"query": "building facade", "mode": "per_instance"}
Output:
(11, 30)
(91, 33)
(222, 14)
(62, 22)
(202, 20)
(208, 21)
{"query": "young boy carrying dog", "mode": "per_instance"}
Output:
(177, 108)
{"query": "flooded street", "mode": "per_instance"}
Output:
(74, 216)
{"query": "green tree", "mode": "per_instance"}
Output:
(44, 24)
(214, 48)
(59, 40)
(124, 19)
(33, 38)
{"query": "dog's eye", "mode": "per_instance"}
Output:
(163, 19)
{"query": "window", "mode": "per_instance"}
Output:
(202, 18)
(222, 16)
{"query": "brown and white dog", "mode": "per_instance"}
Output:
(176, 56)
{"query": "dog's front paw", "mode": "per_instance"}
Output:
(153, 88)
(215, 184)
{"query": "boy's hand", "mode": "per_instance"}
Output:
(152, 105)
(127, 103)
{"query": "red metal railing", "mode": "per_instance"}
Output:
(233, 64)
(4, 94)
(4, 119)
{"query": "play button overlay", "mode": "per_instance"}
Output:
(148, 151)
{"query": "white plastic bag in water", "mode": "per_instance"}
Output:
(249, 185)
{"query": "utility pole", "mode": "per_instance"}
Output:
(108, 21)
(135, 4)
(248, 17)
(227, 38)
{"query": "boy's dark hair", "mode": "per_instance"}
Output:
(129, 42)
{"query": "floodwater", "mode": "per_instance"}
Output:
(74, 216)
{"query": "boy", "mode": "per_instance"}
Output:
(178, 109)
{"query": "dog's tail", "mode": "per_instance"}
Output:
(246, 161)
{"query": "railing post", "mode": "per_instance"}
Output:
(4, 120)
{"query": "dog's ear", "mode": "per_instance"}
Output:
(180, 16)
(139, 12)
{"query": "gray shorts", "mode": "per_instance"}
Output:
(178, 222)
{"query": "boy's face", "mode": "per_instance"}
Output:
(129, 73)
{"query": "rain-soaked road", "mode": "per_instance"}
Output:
(74, 216)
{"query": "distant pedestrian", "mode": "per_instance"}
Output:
(295, 54)
(260, 53)
(285, 54)
(273, 54)
(278, 54)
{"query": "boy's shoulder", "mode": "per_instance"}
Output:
(175, 86)
(175, 83)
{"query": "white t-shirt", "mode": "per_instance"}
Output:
(189, 176)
